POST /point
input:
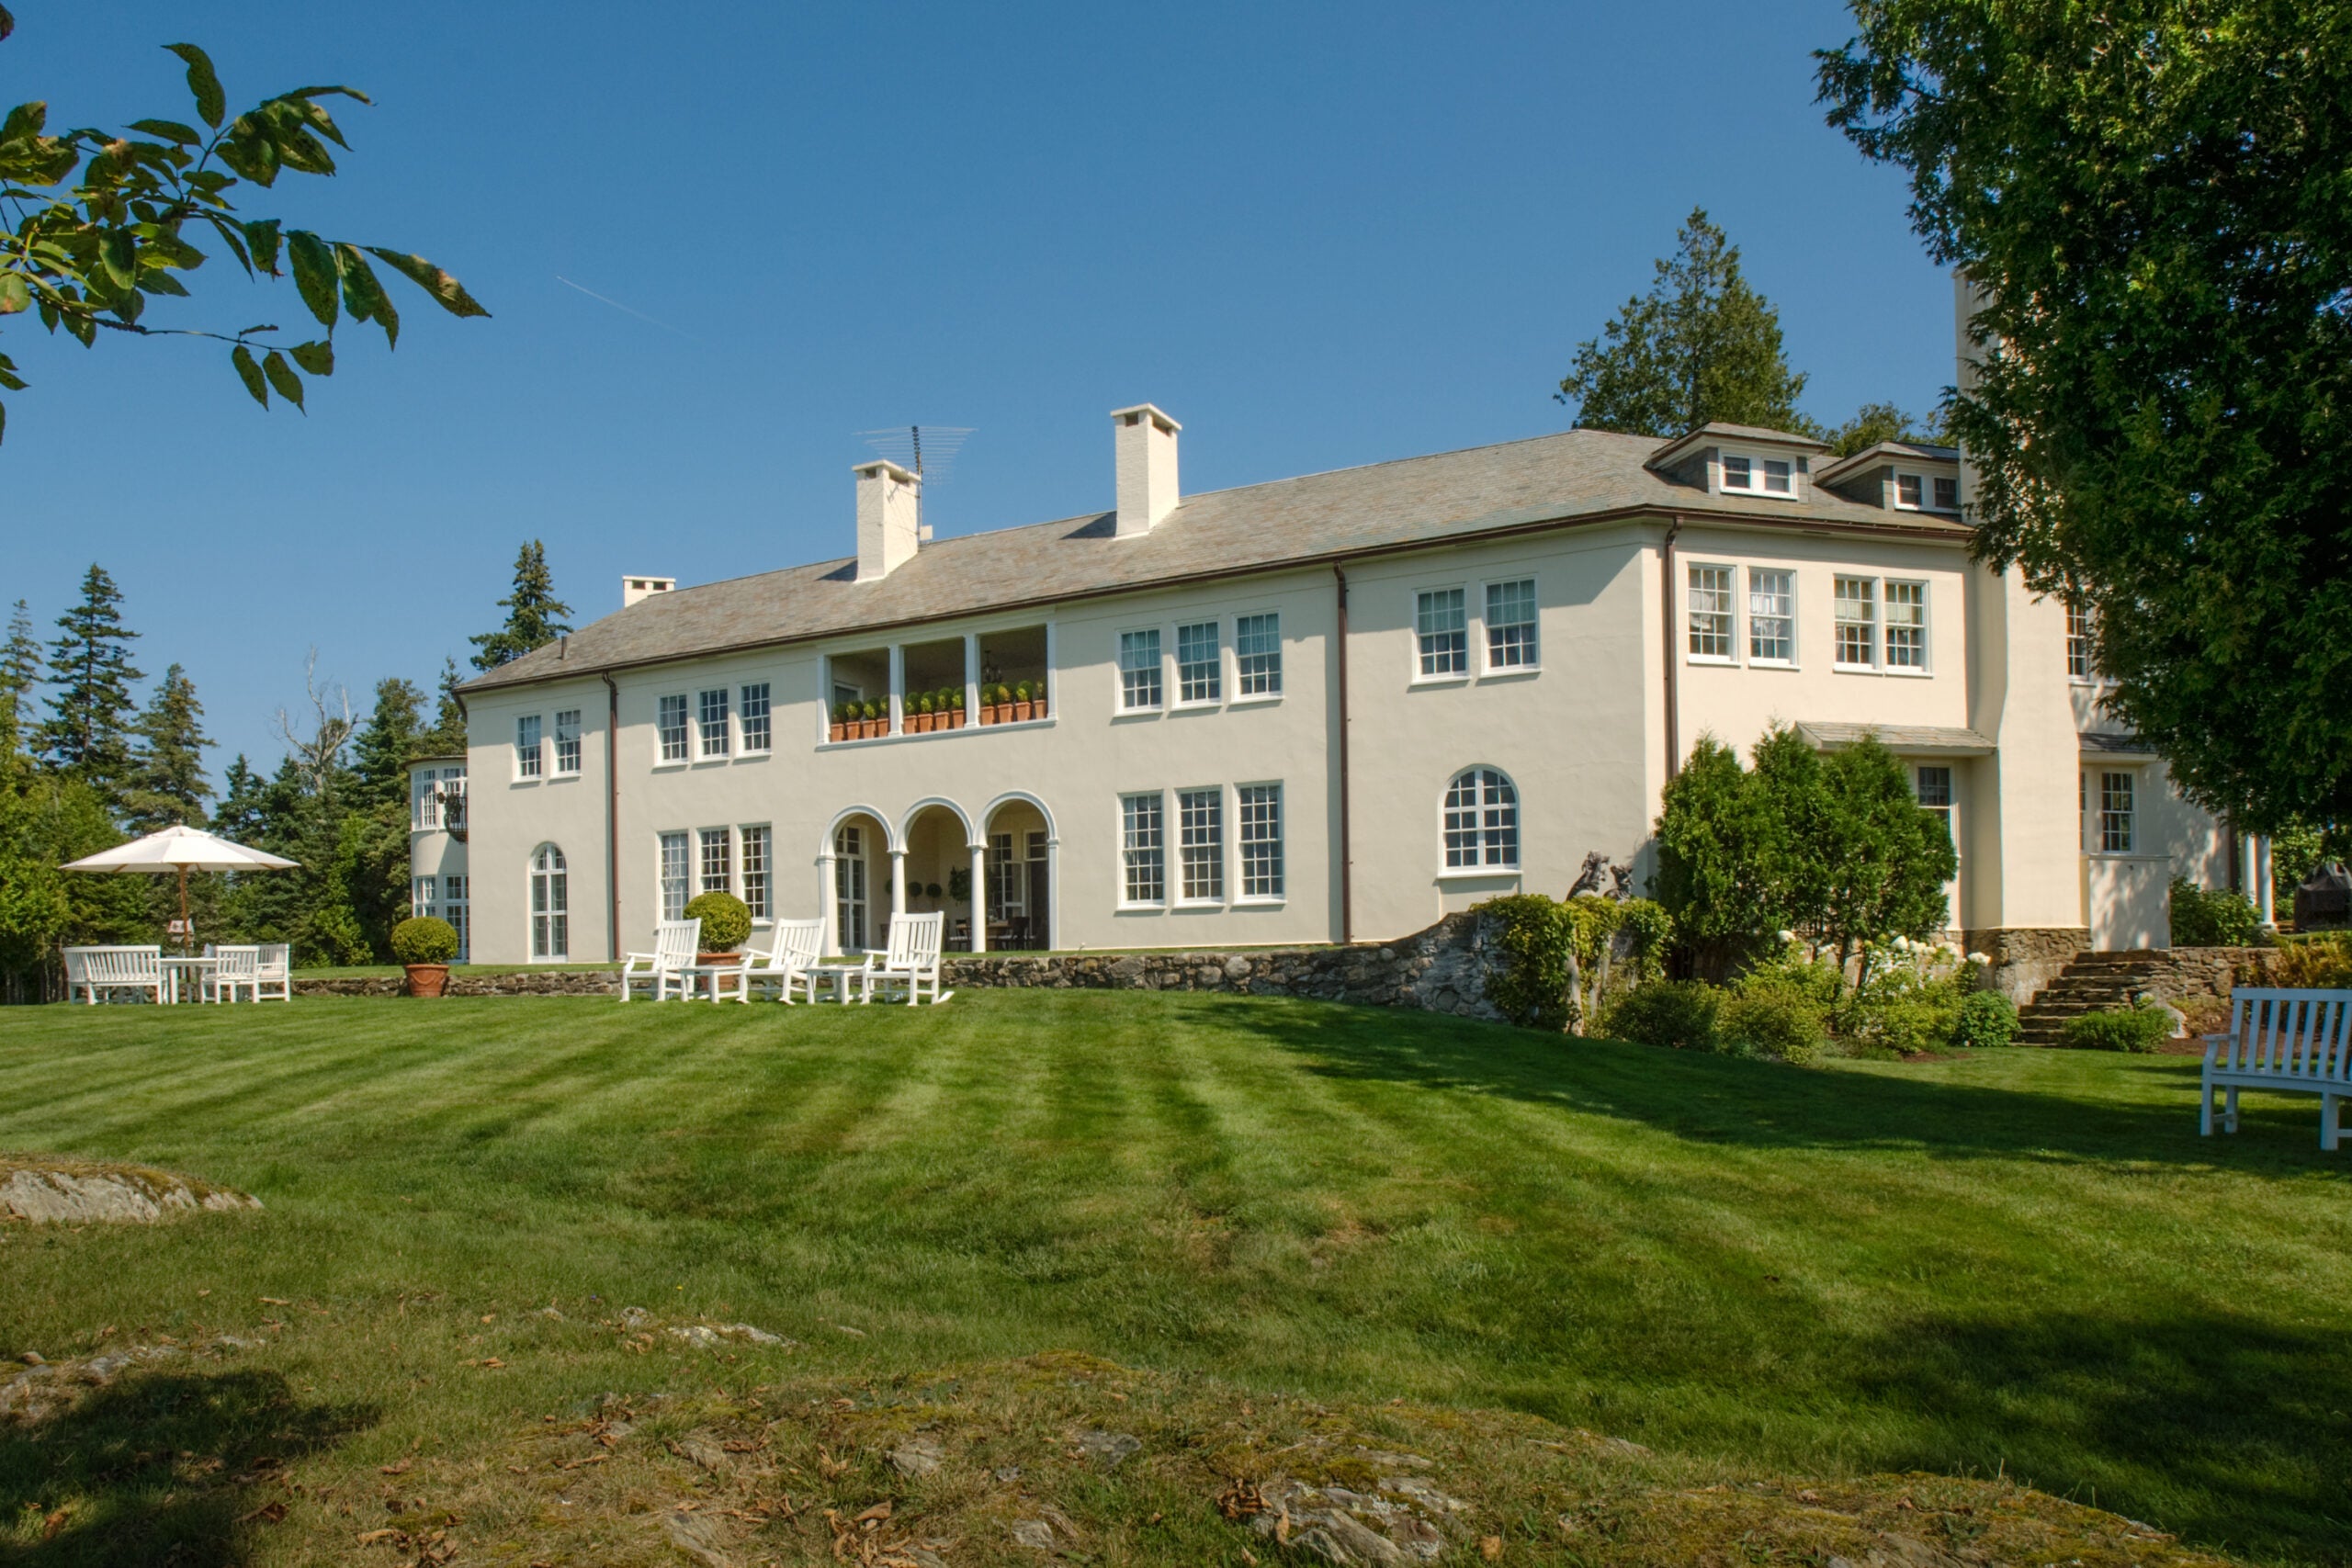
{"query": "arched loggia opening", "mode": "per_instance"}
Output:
(938, 867)
(1018, 879)
(854, 880)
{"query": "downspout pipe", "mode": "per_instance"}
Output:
(1673, 701)
(612, 818)
(1347, 858)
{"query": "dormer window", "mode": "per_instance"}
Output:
(1738, 474)
(1908, 488)
(1759, 476)
(1947, 494)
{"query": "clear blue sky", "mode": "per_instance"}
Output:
(1318, 236)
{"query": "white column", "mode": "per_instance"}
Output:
(1054, 937)
(2266, 896)
(979, 896)
(898, 881)
(829, 900)
(972, 682)
(898, 689)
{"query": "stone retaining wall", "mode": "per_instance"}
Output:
(2027, 958)
(2177, 973)
(526, 983)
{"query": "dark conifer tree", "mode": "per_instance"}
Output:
(167, 783)
(382, 750)
(86, 735)
(533, 614)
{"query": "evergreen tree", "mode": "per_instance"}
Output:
(167, 783)
(533, 614)
(447, 736)
(240, 817)
(19, 671)
(1701, 346)
(1874, 422)
(385, 745)
(87, 733)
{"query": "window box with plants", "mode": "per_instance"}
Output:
(424, 946)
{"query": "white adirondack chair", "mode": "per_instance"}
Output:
(274, 968)
(912, 959)
(793, 946)
(2293, 1040)
(234, 969)
(94, 969)
(670, 963)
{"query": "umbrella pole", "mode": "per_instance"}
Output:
(185, 945)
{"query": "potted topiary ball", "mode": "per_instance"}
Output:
(1020, 701)
(956, 708)
(726, 922)
(424, 946)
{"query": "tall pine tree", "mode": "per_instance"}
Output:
(87, 736)
(447, 736)
(1701, 346)
(533, 614)
(19, 671)
(167, 783)
(381, 750)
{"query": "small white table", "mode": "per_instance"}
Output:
(840, 975)
(708, 976)
(197, 970)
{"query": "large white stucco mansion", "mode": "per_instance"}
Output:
(1325, 708)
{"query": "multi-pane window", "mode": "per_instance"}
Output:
(454, 909)
(1907, 491)
(1947, 493)
(1856, 621)
(1933, 788)
(567, 742)
(1481, 820)
(428, 800)
(675, 890)
(2078, 642)
(716, 862)
(1143, 848)
(755, 871)
(2115, 813)
(1739, 473)
(670, 723)
(1907, 625)
(1260, 809)
(1198, 678)
(425, 897)
(1200, 844)
(550, 905)
(1711, 615)
(1139, 670)
(1510, 624)
(850, 892)
(1771, 616)
(1442, 623)
(1778, 480)
(714, 723)
(529, 759)
(1258, 655)
(753, 717)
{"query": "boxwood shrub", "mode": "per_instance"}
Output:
(424, 940)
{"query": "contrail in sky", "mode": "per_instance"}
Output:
(625, 309)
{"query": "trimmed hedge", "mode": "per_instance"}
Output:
(424, 940)
(726, 921)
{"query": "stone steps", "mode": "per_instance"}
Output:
(2091, 982)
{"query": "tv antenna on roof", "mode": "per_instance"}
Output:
(906, 448)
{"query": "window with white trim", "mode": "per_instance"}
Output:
(1260, 811)
(1855, 621)
(1771, 616)
(755, 871)
(456, 910)
(1258, 655)
(1759, 476)
(1947, 493)
(1143, 849)
(670, 723)
(1907, 625)
(1481, 821)
(530, 762)
(425, 896)
(714, 723)
(753, 718)
(1200, 845)
(2079, 657)
(567, 742)
(2115, 813)
(1510, 624)
(1441, 627)
(1909, 491)
(1139, 671)
(1199, 675)
(675, 889)
(427, 815)
(716, 862)
(550, 905)
(1711, 612)
(1932, 786)
(1739, 473)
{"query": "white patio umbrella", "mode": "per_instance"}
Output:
(181, 848)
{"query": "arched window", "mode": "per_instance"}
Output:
(1481, 821)
(550, 905)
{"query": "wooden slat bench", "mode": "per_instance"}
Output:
(2295, 1041)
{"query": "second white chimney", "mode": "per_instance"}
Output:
(1144, 441)
(888, 532)
(635, 588)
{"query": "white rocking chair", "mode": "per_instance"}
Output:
(913, 958)
(795, 945)
(671, 962)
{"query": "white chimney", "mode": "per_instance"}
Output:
(635, 588)
(888, 531)
(1144, 440)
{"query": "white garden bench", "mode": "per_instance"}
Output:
(672, 962)
(90, 970)
(2294, 1042)
(912, 959)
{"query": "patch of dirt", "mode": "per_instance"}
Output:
(44, 1190)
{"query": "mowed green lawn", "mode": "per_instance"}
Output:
(2020, 1262)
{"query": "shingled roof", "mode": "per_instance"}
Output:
(1579, 476)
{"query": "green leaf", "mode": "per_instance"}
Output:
(25, 120)
(212, 103)
(169, 129)
(363, 295)
(281, 376)
(445, 291)
(250, 373)
(262, 236)
(14, 295)
(315, 274)
(233, 236)
(317, 356)
(8, 376)
(163, 283)
(118, 254)
(328, 93)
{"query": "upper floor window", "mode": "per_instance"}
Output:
(1143, 849)
(1199, 678)
(670, 723)
(753, 717)
(1481, 820)
(1856, 622)
(714, 723)
(1947, 492)
(1771, 616)
(1932, 786)
(1510, 624)
(2079, 643)
(1710, 628)
(567, 742)
(1261, 808)
(1907, 491)
(1258, 655)
(1139, 670)
(528, 761)
(1200, 843)
(1767, 475)
(1907, 625)
(2115, 813)
(1442, 624)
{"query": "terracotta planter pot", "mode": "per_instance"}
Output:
(716, 958)
(955, 719)
(840, 731)
(1037, 709)
(925, 723)
(426, 979)
(867, 729)
(988, 714)
(1021, 711)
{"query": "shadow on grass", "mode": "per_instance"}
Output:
(173, 1467)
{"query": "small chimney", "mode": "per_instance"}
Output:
(888, 527)
(1144, 440)
(635, 588)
